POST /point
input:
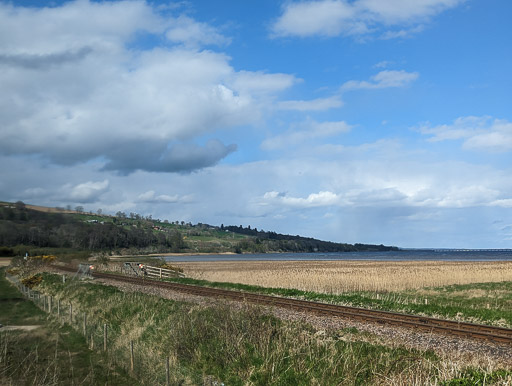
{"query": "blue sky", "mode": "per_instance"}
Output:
(372, 121)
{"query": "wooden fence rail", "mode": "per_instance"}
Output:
(142, 270)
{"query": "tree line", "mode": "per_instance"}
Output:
(272, 241)
(23, 226)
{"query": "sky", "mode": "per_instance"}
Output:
(357, 121)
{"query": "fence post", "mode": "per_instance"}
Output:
(105, 337)
(85, 326)
(167, 372)
(160, 273)
(132, 359)
(70, 313)
(92, 340)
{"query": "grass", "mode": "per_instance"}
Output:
(237, 347)
(448, 302)
(213, 343)
(52, 354)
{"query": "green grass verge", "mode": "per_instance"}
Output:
(215, 343)
(52, 354)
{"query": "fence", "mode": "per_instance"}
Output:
(137, 269)
(97, 335)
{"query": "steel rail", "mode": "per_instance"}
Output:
(423, 323)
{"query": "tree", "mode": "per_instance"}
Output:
(79, 208)
(99, 211)
(176, 241)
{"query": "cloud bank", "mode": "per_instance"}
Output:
(93, 93)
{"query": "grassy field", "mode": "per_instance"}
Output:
(212, 342)
(216, 343)
(51, 354)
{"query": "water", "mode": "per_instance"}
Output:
(402, 255)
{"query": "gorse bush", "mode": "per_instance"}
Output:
(32, 281)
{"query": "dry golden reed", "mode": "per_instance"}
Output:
(343, 276)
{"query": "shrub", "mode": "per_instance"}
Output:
(32, 281)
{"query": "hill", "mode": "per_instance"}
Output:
(29, 228)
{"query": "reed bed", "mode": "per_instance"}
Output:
(337, 277)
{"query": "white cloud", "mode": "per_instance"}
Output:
(478, 133)
(313, 200)
(383, 64)
(191, 32)
(384, 79)
(324, 18)
(310, 130)
(260, 82)
(404, 11)
(361, 17)
(402, 33)
(319, 104)
(150, 197)
(77, 88)
(88, 192)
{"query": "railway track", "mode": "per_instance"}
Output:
(421, 323)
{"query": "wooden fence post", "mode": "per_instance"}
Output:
(132, 359)
(105, 337)
(85, 325)
(167, 372)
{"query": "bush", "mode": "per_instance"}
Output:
(32, 281)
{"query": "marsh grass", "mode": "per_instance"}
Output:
(340, 276)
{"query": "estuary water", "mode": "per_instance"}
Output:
(401, 255)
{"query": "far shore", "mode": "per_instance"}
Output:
(121, 257)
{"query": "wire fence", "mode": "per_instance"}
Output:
(99, 336)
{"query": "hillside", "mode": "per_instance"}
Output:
(27, 228)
